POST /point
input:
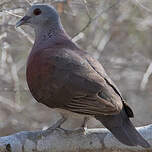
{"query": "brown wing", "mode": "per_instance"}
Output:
(92, 105)
(93, 94)
(100, 70)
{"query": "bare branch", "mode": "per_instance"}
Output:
(69, 141)
(10, 104)
(13, 14)
(95, 18)
(28, 2)
(142, 6)
(146, 77)
(86, 6)
(25, 34)
(15, 79)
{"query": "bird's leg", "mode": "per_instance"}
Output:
(84, 125)
(57, 124)
(82, 129)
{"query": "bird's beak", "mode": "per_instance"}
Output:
(23, 21)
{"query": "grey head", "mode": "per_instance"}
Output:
(40, 15)
(46, 22)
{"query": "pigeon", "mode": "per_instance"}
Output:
(62, 75)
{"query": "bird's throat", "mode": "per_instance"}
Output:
(47, 34)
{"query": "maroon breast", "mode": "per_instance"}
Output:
(40, 77)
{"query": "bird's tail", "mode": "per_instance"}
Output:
(122, 128)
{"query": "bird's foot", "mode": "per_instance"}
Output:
(82, 129)
(58, 124)
(75, 131)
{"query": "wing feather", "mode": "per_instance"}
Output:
(92, 105)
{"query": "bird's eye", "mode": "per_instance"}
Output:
(37, 11)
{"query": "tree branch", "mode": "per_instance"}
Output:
(146, 77)
(69, 141)
(91, 20)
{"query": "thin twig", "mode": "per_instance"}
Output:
(10, 104)
(104, 42)
(142, 6)
(86, 6)
(25, 34)
(15, 79)
(29, 2)
(10, 13)
(94, 18)
(146, 77)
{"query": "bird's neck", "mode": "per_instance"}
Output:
(49, 34)
(46, 32)
(52, 35)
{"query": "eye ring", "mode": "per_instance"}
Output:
(37, 11)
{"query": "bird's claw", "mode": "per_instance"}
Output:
(79, 130)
